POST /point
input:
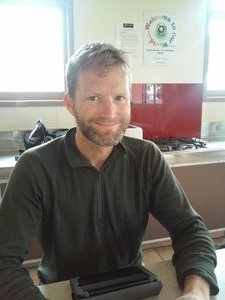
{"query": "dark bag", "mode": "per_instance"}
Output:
(40, 135)
(130, 283)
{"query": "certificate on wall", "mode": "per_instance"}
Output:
(159, 38)
(128, 38)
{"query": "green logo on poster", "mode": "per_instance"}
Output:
(161, 31)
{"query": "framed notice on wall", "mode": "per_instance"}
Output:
(128, 38)
(159, 38)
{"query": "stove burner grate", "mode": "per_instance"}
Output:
(173, 144)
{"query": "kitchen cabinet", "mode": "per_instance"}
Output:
(204, 185)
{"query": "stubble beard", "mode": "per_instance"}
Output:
(103, 139)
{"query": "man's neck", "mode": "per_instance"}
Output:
(95, 154)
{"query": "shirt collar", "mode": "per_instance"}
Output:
(75, 157)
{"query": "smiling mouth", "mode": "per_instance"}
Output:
(107, 127)
(106, 124)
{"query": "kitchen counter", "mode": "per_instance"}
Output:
(195, 157)
(7, 163)
(214, 153)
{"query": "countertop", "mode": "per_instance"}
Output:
(7, 163)
(214, 153)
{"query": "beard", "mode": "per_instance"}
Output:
(104, 139)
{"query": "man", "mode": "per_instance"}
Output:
(88, 195)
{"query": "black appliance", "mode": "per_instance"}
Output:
(129, 283)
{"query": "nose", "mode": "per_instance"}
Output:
(108, 108)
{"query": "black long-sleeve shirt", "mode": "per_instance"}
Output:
(90, 221)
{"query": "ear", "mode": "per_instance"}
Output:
(69, 103)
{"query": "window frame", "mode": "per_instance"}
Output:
(210, 95)
(12, 99)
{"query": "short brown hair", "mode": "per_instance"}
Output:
(94, 56)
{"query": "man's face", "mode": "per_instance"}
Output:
(102, 105)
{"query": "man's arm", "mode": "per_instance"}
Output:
(195, 285)
(15, 282)
(20, 219)
(194, 251)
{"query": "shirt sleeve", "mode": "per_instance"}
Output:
(194, 251)
(20, 220)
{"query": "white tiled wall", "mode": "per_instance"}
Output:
(24, 118)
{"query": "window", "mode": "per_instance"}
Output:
(215, 78)
(36, 42)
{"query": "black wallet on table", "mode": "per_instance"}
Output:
(130, 283)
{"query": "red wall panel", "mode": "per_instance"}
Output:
(167, 110)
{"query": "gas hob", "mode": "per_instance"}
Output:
(179, 144)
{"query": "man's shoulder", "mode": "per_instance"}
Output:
(144, 153)
(47, 153)
(138, 144)
(141, 149)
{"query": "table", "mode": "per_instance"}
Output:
(164, 270)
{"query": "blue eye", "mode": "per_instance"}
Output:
(93, 98)
(120, 98)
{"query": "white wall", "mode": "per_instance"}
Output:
(213, 112)
(95, 20)
(24, 118)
